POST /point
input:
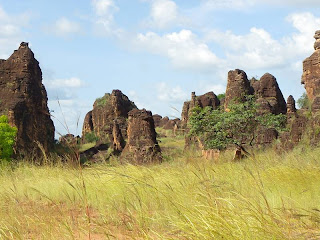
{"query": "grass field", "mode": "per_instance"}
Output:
(187, 197)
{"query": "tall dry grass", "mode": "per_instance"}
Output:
(269, 197)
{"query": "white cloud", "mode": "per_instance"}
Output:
(183, 49)
(306, 24)
(258, 49)
(72, 82)
(220, 4)
(11, 31)
(104, 18)
(244, 4)
(299, 3)
(104, 8)
(63, 89)
(163, 13)
(64, 27)
(171, 94)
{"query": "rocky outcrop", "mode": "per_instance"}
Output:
(291, 105)
(118, 141)
(268, 94)
(110, 107)
(311, 71)
(206, 100)
(238, 87)
(142, 145)
(24, 99)
(157, 120)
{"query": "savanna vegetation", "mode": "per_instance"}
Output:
(268, 196)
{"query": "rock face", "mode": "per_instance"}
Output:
(24, 99)
(142, 145)
(157, 120)
(205, 100)
(118, 141)
(238, 87)
(311, 71)
(269, 95)
(291, 105)
(110, 107)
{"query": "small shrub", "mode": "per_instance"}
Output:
(221, 96)
(303, 101)
(7, 138)
(91, 137)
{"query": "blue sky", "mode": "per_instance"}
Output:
(156, 51)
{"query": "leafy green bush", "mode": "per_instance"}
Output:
(7, 138)
(303, 101)
(221, 96)
(238, 125)
(91, 137)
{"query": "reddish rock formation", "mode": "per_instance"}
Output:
(157, 120)
(291, 105)
(269, 95)
(24, 99)
(237, 88)
(164, 121)
(110, 107)
(297, 126)
(311, 71)
(118, 141)
(142, 145)
(206, 100)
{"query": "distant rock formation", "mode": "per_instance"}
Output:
(157, 120)
(238, 87)
(142, 145)
(268, 94)
(291, 105)
(206, 100)
(311, 73)
(24, 99)
(110, 107)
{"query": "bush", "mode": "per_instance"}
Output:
(7, 138)
(303, 102)
(91, 137)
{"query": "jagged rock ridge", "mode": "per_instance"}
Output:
(24, 99)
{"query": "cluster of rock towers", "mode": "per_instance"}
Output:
(130, 131)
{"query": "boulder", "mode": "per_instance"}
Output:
(269, 95)
(142, 145)
(110, 107)
(311, 71)
(238, 87)
(23, 98)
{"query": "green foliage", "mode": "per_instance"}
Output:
(91, 137)
(7, 137)
(102, 101)
(303, 101)
(221, 96)
(237, 125)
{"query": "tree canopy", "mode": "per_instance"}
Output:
(7, 138)
(236, 125)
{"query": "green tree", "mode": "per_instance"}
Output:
(238, 125)
(221, 96)
(7, 138)
(303, 101)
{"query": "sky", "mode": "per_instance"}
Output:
(156, 51)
